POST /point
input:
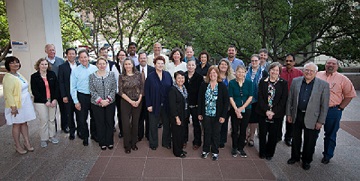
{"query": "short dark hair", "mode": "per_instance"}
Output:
(204, 52)
(132, 43)
(180, 72)
(263, 50)
(232, 46)
(290, 54)
(159, 58)
(69, 49)
(83, 51)
(102, 48)
(142, 52)
(177, 50)
(9, 60)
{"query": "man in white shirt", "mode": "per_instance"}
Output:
(157, 52)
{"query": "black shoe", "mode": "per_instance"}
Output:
(182, 155)
(66, 130)
(139, 139)
(120, 135)
(127, 151)
(103, 147)
(306, 166)
(153, 148)
(222, 146)
(80, 136)
(160, 125)
(86, 142)
(288, 142)
(134, 148)
(71, 137)
(292, 161)
(324, 160)
(262, 156)
(269, 158)
(167, 147)
(111, 147)
(184, 152)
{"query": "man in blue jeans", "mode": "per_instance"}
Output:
(341, 93)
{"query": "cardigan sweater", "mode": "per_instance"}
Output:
(38, 86)
(222, 102)
(12, 90)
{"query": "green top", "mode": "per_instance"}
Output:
(240, 94)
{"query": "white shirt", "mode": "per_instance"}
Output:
(135, 58)
(172, 68)
(116, 73)
(145, 70)
(52, 61)
(72, 65)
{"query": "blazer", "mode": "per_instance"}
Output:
(156, 90)
(318, 104)
(222, 102)
(64, 80)
(279, 102)
(149, 69)
(38, 86)
(176, 105)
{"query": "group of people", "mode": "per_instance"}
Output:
(168, 92)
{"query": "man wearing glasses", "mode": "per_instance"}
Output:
(306, 109)
(289, 72)
(342, 92)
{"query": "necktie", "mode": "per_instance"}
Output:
(143, 75)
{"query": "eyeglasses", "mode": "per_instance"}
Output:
(309, 70)
(288, 60)
(14, 62)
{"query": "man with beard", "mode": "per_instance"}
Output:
(264, 55)
(289, 72)
(234, 62)
(341, 93)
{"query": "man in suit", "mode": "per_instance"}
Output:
(306, 108)
(55, 62)
(145, 70)
(64, 84)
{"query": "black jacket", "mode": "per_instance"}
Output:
(279, 102)
(64, 80)
(193, 86)
(38, 86)
(176, 105)
(222, 102)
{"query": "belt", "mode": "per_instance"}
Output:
(303, 111)
(83, 93)
(337, 106)
(193, 106)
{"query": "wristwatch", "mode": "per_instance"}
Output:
(338, 106)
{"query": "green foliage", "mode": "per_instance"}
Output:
(4, 26)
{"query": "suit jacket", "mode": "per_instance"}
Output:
(318, 104)
(38, 86)
(176, 105)
(149, 69)
(279, 102)
(64, 80)
(222, 102)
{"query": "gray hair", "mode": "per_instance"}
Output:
(313, 64)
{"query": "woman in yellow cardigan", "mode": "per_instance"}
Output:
(19, 108)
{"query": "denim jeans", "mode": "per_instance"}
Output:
(332, 124)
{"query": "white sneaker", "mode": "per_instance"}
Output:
(54, 140)
(43, 144)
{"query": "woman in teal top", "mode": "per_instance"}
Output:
(241, 94)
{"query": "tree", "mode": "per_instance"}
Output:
(4, 32)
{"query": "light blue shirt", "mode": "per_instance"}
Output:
(79, 80)
(236, 63)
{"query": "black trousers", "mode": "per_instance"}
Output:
(70, 110)
(104, 119)
(288, 131)
(153, 128)
(238, 126)
(63, 114)
(197, 127)
(212, 128)
(144, 118)
(82, 115)
(177, 138)
(118, 108)
(224, 129)
(310, 137)
(130, 116)
(93, 131)
(268, 136)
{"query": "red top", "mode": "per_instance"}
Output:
(290, 75)
(47, 88)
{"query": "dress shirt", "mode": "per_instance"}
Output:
(236, 62)
(79, 80)
(145, 70)
(135, 58)
(290, 75)
(304, 94)
(52, 61)
(73, 65)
